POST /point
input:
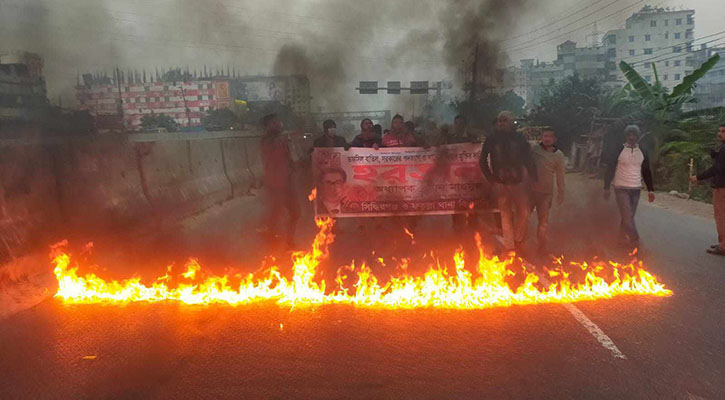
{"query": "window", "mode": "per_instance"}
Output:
(690, 19)
(667, 22)
(664, 77)
(200, 97)
(688, 34)
(201, 109)
(667, 35)
(677, 35)
(667, 63)
(631, 39)
(653, 23)
(648, 65)
(678, 21)
(676, 49)
(688, 72)
(647, 38)
(648, 78)
(126, 89)
(647, 51)
(677, 63)
(677, 77)
(166, 88)
(146, 88)
(166, 98)
(631, 52)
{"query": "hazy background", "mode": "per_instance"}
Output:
(335, 42)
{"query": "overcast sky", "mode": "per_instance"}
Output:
(338, 42)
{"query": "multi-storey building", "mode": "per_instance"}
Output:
(188, 99)
(22, 87)
(710, 89)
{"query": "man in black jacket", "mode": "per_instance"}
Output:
(507, 163)
(717, 174)
(626, 169)
(329, 136)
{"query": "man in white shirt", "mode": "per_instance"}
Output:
(626, 169)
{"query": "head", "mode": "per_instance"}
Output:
(398, 124)
(329, 127)
(459, 124)
(385, 132)
(332, 184)
(366, 125)
(505, 121)
(378, 129)
(548, 137)
(631, 135)
(721, 132)
(272, 124)
(410, 127)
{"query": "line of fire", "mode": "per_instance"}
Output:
(361, 199)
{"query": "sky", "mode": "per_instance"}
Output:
(336, 42)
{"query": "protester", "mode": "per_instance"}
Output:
(329, 136)
(717, 174)
(550, 163)
(278, 183)
(399, 136)
(378, 131)
(626, 168)
(367, 136)
(509, 169)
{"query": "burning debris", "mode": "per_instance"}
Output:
(489, 285)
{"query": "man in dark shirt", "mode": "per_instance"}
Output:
(507, 163)
(717, 174)
(279, 186)
(329, 136)
(367, 136)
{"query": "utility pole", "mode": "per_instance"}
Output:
(474, 83)
(120, 99)
(186, 106)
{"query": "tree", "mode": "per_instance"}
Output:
(153, 122)
(568, 107)
(221, 119)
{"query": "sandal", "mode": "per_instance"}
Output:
(717, 251)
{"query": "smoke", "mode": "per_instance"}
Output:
(336, 43)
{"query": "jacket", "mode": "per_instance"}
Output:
(327, 141)
(510, 158)
(612, 161)
(717, 171)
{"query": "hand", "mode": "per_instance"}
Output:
(375, 146)
(560, 199)
(651, 197)
(607, 193)
(693, 179)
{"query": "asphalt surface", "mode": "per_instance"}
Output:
(674, 346)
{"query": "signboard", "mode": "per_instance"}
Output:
(363, 182)
(393, 87)
(419, 87)
(368, 87)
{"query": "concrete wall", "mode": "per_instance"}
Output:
(49, 186)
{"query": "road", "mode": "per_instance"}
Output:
(673, 346)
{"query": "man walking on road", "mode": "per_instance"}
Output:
(717, 174)
(279, 186)
(626, 168)
(549, 165)
(509, 169)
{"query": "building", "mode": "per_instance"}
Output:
(184, 96)
(710, 89)
(22, 87)
(658, 38)
(652, 38)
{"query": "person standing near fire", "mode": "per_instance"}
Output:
(717, 174)
(550, 162)
(279, 187)
(507, 164)
(626, 169)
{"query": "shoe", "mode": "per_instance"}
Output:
(714, 246)
(717, 251)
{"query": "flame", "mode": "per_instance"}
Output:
(493, 282)
(313, 195)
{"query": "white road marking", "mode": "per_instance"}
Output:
(598, 334)
(587, 323)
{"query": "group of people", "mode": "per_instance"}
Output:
(524, 177)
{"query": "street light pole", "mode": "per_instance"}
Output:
(186, 106)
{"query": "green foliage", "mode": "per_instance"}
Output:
(221, 119)
(568, 106)
(153, 122)
(487, 107)
(688, 83)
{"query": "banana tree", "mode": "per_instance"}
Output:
(657, 107)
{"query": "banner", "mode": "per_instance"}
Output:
(364, 182)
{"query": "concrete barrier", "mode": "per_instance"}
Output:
(54, 185)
